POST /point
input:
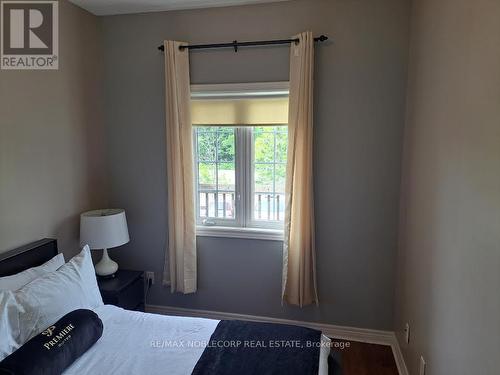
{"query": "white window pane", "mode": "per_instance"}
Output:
(203, 202)
(281, 146)
(264, 146)
(264, 178)
(280, 209)
(280, 175)
(207, 176)
(226, 176)
(211, 204)
(225, 204)
(216, 172)
(269, 173)
(206, 145)
(225, 144)
(266, 207)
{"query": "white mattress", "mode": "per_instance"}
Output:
(141, 343)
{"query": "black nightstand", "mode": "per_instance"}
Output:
(125, 290)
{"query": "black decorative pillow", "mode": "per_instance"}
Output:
(56, 348)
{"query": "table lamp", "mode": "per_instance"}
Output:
(104, 229)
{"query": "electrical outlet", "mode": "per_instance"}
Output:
(150, 277)
(422, 366)
(407, 333)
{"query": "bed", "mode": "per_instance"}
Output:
(134, 342)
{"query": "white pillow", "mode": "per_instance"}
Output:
(9, 324)
(45, 300)
(17, 281)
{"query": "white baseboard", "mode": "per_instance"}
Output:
(369, 336)
(398, 356)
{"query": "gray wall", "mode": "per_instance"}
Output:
(449, 265)
(51, 140)
(359, 118)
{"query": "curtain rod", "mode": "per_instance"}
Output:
(235, 44)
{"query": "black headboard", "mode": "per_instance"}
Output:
(30, 255)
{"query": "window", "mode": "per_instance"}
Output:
(240, 170)
(268, 169)
(216, 175)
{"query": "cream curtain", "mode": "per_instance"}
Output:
(180, 265)
(299, 263)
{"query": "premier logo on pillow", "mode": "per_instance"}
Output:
(60, 338)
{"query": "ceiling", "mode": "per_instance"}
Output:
(110, 7)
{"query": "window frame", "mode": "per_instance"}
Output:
(217, 222)
(244, 224)
(251, 221)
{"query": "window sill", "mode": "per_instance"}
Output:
(246, 233)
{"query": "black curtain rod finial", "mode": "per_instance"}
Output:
(235, 44)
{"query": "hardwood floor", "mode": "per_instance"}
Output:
(365, 359)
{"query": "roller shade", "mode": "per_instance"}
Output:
(228, 106)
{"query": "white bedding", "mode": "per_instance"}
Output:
(141, 343)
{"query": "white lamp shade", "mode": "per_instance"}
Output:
(104, 229)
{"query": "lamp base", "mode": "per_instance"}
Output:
(106, 266)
